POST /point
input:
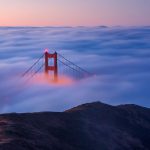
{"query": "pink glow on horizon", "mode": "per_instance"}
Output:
(74, 12)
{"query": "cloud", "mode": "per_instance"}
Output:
(119, 56)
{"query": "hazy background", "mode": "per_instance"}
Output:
(119, 56)
(74, 12)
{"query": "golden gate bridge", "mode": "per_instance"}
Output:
(53, 65)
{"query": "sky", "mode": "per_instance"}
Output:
(74, 12)
(119, 56)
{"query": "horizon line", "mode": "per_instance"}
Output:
(67, 26)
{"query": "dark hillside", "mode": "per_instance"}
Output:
(93, 126)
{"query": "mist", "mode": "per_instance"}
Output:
(118, 56)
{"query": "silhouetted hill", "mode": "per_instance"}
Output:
(93, 126)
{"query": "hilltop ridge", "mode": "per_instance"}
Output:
(90, 126)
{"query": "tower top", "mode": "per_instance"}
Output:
(46, 50)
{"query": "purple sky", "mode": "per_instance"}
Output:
(74, 12)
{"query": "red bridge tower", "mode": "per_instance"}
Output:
(53, 68)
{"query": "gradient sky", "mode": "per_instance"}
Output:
(74, 12)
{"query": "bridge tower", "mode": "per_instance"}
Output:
(53, 68)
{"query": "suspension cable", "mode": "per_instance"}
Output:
(74, 64)
(67, 65)
(35, 72)
(32, 65)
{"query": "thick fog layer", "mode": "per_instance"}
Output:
(118, 56)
